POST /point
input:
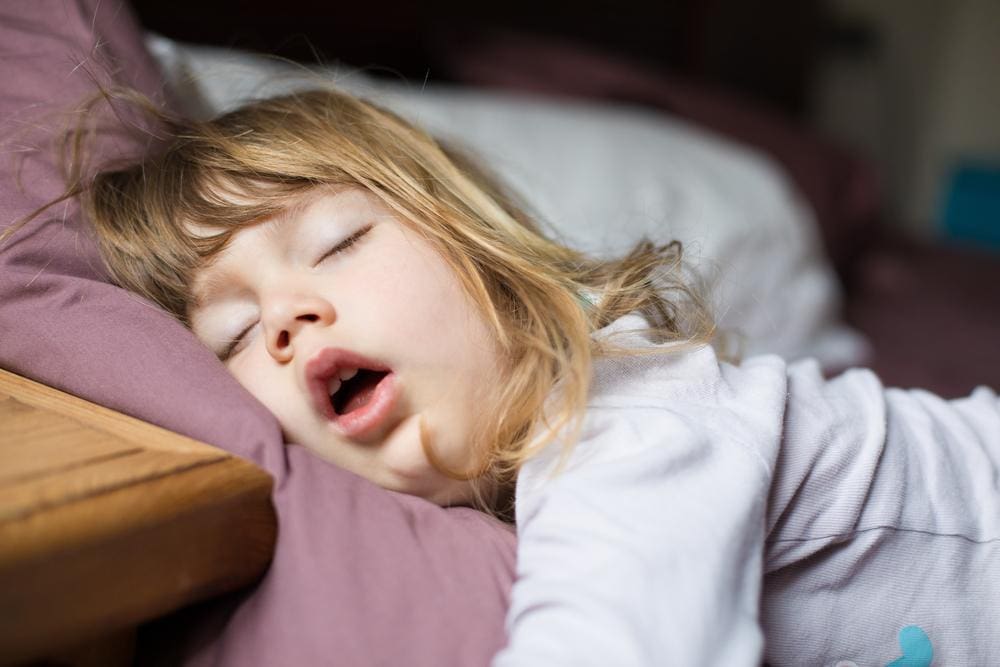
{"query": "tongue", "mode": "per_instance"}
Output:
(362, 391)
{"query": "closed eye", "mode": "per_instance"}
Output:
(230, 349)
(345, 244)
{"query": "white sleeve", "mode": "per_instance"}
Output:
(885, 516)
(647, 550)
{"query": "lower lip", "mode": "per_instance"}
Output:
(371, 416)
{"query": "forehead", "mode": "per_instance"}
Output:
(321, 207)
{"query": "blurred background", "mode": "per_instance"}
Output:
(886, 113)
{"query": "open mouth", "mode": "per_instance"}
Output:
(356, 395)
(354, 391)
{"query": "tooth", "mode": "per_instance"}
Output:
(333, 386)
(348, 373)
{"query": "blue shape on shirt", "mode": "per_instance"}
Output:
(916, 645)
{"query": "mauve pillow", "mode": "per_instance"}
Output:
(360, 575)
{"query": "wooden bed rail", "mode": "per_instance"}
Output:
(107, 522)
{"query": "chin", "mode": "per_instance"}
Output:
(430, 485)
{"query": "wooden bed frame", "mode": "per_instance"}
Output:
(107, 522)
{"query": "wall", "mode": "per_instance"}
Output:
(928, 94)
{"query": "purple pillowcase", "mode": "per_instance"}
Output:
(360, 575)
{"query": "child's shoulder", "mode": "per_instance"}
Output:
(634, 363)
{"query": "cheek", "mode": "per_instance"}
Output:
(413, 292)
(262, 381)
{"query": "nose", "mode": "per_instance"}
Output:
(285, 315)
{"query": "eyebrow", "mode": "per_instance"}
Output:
(205, 294)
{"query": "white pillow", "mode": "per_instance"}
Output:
(600, 177)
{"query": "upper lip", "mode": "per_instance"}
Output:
(326, 364)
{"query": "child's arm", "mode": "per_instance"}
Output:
(885, 515)
(647, 551)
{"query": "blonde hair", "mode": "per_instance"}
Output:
(542, 300)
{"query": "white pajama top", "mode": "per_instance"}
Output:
(714, 514)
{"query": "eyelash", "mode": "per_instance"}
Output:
(341, 247)
(346, 243)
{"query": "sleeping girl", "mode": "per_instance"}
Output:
(402, 317)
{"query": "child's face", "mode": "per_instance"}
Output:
(383, 303)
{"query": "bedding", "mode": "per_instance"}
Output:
(601, 177)
(842, 189)
(360, 575)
